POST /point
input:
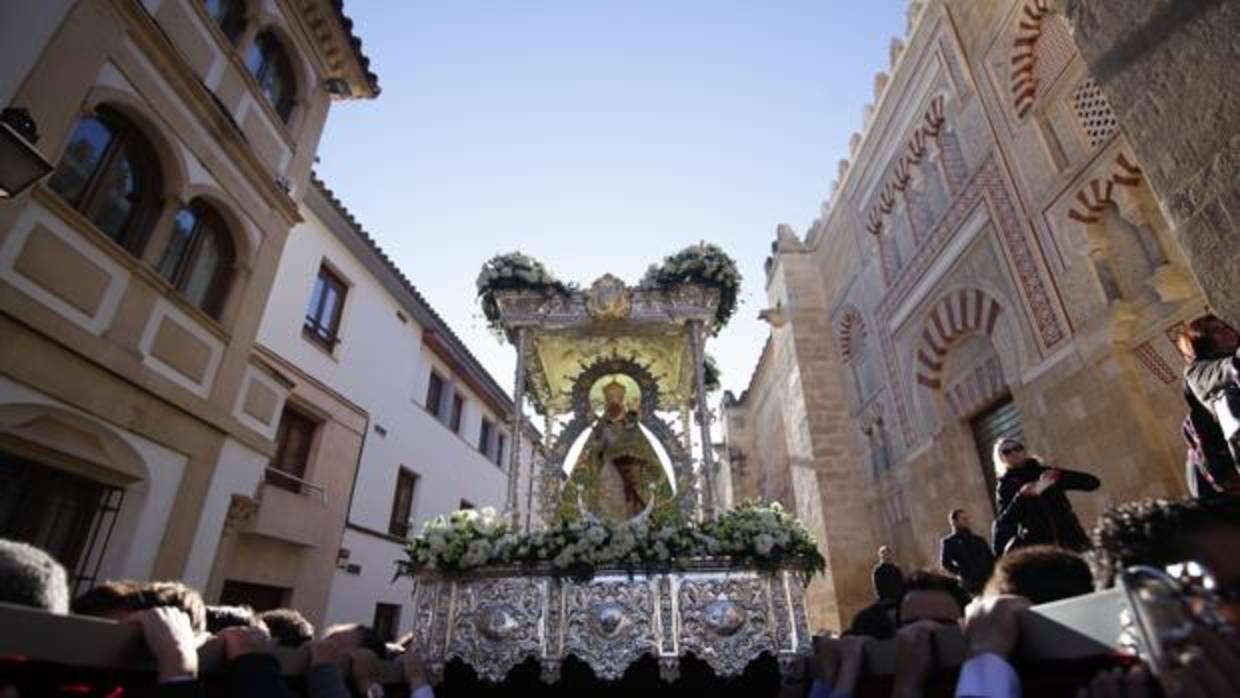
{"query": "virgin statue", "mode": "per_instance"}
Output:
(618, 475)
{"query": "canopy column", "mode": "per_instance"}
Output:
(512, 508)
(697, 341)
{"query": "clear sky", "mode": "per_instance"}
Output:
(599, 136)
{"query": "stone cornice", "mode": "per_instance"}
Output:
(330, 32)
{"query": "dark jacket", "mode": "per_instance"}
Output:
(967, 555)
(1211, 374)
(1210, 378)
(888, 580)
(1046, 519)
(878, 620)
(1210, 469)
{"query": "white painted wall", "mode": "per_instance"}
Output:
(238, 472)
(25, 31)
(143, 518)
(380, 365)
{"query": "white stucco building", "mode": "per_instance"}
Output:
(342, 317)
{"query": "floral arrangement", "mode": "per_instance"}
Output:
(756, 534)
(514, 271)
(704, 264)
(710, 374)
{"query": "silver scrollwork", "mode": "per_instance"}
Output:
(714, 608)
(608, 623)
(724, 615)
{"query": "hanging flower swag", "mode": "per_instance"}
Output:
(710, 374)
(514, 271)
(754, 534)
(704, 264)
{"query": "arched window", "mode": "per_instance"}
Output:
(110, 173)
(229, 16)
(199, 256)
(271, 67)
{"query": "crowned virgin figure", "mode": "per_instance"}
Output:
(618, 475)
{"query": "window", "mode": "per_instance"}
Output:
(402, 503)
(484, 436)
(322, 323)
(458, 410)
(270, 65)
(229, 16)
(58, 512)
(1094, 112)
(387, 621)
(293, 440)
(466, 505)
(110, 173)
(199, 256)
(434, 395)
(259, 597)
(499, 449)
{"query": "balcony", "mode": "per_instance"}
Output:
(290, 509)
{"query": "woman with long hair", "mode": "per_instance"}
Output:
(1030, 498)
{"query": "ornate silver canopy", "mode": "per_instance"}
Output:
(725, 616)
(566, 341)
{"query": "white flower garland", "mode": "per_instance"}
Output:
(755, 534)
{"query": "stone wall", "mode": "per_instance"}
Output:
(1168, 68)
(992, 247)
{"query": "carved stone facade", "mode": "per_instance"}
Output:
(1168, 69)
(992, 260)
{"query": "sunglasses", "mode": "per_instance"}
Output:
(1011, 449)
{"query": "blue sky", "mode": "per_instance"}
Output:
(599, 137)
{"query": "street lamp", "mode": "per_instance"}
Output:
(21, 164)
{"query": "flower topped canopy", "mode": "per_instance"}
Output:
(570, 328)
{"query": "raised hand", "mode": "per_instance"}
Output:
(990, 624)
(170, 637)
(415, 668)
(913, 658)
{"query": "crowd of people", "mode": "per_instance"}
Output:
(1038, 553)
(200, 650)
(911, 608)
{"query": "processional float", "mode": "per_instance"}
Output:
(623, 551)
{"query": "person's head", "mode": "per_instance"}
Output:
(931, 596)
(288, 627)
(30, 577)
(884, 553)
(613, 399)
(356, 636)
(1008, 453)
(1041, 573)
(220, 617)
(117, 599)
(1160, 532)
(1205, 337)
(960, 519)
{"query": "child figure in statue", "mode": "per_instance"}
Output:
(618, 475)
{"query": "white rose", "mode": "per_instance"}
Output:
(661, 551)
(763, 544)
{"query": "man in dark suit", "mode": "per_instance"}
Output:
(966, 554)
